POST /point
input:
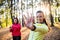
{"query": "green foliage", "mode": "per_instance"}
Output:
(9, 22)
(1, 2)
(1, 12)
(3, 22)
(6, 21)
(56, 19)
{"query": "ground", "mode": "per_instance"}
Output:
(54, 34)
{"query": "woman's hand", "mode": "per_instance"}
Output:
(10, 29)
(29, 23)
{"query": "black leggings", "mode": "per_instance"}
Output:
(16, 37)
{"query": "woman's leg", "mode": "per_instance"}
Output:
(18, 38)
(14, 38)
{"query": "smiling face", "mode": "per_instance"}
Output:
(15, 20)
(40, 17)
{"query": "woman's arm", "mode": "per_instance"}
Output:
(11, 29)
(42, 29)
(29, 24)
(19, 28)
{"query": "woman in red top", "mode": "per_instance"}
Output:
(15, 29)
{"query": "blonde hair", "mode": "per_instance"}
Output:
(45, 21)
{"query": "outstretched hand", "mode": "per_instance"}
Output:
(29, 22)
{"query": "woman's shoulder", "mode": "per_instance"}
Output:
(37, 24)
(19, 24)
(12, 24)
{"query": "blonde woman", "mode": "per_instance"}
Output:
(39, 29)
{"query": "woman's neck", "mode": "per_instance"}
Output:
(40, 22)
(15, 23)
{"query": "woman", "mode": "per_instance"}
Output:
(39, 29)
(15, 29)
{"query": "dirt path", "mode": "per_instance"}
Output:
(53, 35)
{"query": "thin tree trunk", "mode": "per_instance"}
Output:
(11, 10)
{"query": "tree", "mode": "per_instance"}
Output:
(1, 11)
(1, 2)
